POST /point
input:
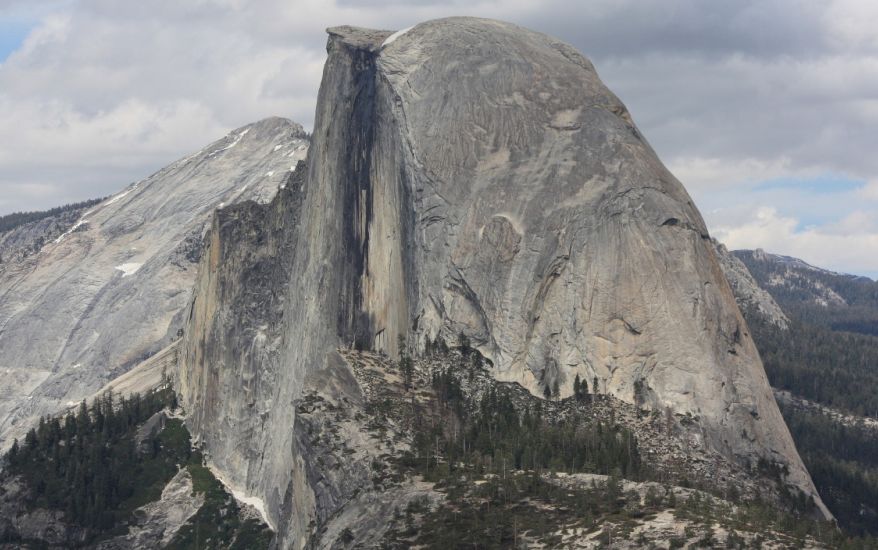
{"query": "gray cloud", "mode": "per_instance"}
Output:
(729, 93)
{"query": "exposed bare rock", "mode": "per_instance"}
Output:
(156, 523)
(716, 525)
(466, 176)
(748, 293)
(845, 419)
(800, 283)
(109, 290)
(28, 239)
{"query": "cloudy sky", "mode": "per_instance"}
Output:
(766, 110)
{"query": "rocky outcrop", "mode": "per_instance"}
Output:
(110, 289)
(798, 281)
(28, 239)
(749, 295)
(465, 177)
(156, 523)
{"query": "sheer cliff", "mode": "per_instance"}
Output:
(465, 177)
(87, 302)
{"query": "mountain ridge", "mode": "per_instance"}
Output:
(431, 212)
(109, 289)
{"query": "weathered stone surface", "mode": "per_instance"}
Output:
(106, 293)
(468, 176)
(798, 279)
(748, 293)
(156, 523)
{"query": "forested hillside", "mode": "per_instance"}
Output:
(816, 296)
(828, 357)
(843, 462)
(98, 477)
(838, 369)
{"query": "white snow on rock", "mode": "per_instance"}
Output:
(390, 39)
(129, 268)
(238, 138)
(242, 497)
(120, 195)
(79, 301)
(76, 226)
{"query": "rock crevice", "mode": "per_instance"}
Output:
(459, 181)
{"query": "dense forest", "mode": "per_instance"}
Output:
(88, 463)
(829, 355)
(843, 462)
(837, 369)
(92, 466)
(17, 219)
(495, 436)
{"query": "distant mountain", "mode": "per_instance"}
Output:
(819, 296)
(481, 314)
(748, 292)
(828, 353)
(88, 292)
(823, 364)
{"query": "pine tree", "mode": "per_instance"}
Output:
(463, 344)
(406, 365)
(13, 452)
(577, 388)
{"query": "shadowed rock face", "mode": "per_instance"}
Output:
(473, 176)
(111, 290)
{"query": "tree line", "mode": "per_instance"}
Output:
(497, 432)
(9, 222)
(88, 463)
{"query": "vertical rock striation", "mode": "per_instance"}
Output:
(110, 290)
(467, 176)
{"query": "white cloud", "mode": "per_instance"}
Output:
(870, 191)
(848, 246)
(710, 173)
(103, 92)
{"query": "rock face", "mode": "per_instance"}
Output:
(157, 522)
(799, 281)
(466, 176)
(748, 293)
(109, 291)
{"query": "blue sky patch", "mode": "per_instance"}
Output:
(12, 35)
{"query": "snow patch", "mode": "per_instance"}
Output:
(236, 141)
(241, 496)
(129, 268)
(122, 194)
(390, 39)
(76, 366)
(276, 147)
(76, 226)
(269, 174)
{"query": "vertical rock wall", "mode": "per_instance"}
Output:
(468, 176)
